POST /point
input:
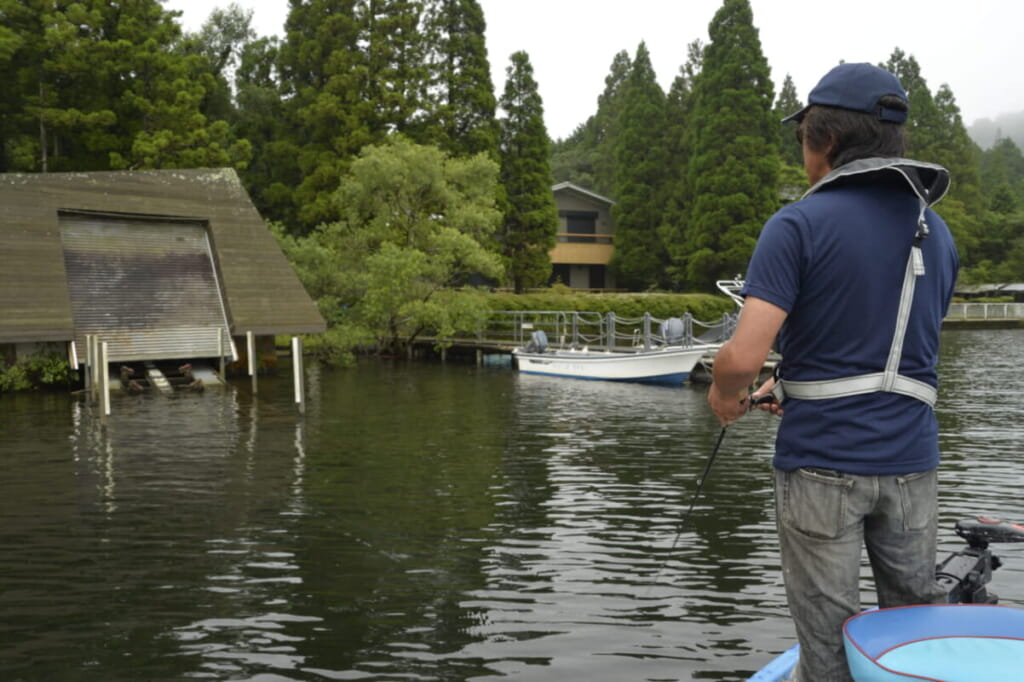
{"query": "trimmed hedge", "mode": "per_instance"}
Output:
(703, 307)
(984, 299)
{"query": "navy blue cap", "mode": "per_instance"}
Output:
(856, 87)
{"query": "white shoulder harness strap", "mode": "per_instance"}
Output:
(889, 380)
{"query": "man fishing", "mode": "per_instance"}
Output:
(853, 282)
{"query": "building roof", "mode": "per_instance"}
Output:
(570, 187)
(261, 292)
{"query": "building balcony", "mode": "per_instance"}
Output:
(583, 249)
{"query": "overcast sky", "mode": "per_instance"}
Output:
(977, 47)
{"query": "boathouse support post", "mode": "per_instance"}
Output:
(610, 340)
(300, 375)
(73, 355)
(250, 349)
(87, 370)
(220, 350)
(647, 331)
(104, 376)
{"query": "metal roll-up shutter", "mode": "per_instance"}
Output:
(148, 287)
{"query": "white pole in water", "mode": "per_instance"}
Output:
(94, 361)
(97, 369)
(104, 381)
(250, 346)
(300, 378)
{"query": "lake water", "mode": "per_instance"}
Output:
(429, 522)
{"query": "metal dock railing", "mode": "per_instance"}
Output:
(508, 329)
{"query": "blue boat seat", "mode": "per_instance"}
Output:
(947, 642)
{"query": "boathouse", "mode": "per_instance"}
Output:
(584, 244)
(161, 264)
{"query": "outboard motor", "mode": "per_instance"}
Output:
(964, 574)
(538, 342)
(672, 331)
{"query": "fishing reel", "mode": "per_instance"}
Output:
(964, 574)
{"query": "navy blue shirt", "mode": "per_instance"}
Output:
(835, 262)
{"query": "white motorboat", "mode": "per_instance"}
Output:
(666, 365)
(666, 361)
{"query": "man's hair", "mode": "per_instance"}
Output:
(854, 135)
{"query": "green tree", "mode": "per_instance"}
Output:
(605, 128)
(937, 135)
(639, 156)
(98, 85)
(352, 72)
(790, 151)
(732, 172)
(678, 112)
(572, 160)
(395, 68)
(531, 219)
(261, 117)
(1003, 164)
(964, 208)
(1000, 249)
(458, 100)
(220, 43)
(10, 42)
(587, 157)
(925, 121)
(321, 63)
(54, 114)
(414, 222)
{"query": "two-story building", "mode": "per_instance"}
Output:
(586, 233)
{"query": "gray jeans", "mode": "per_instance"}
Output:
(824, 517)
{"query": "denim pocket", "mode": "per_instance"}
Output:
(918, 498)
(814, 503)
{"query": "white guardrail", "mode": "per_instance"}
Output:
(985, 311)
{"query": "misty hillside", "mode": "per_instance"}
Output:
(984, 131)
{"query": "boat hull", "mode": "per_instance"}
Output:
(779, 669)
(669, 366)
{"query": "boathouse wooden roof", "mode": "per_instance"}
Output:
(260, 290)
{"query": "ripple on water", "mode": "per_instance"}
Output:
(423, 522)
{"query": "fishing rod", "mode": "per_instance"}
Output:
(700, 487)
(754, 402)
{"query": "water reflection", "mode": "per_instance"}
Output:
(584, 582)
(427, 523)
(981, 438)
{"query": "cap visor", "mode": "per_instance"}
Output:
(797, 116)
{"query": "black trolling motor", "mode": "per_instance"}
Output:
(964, 574)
